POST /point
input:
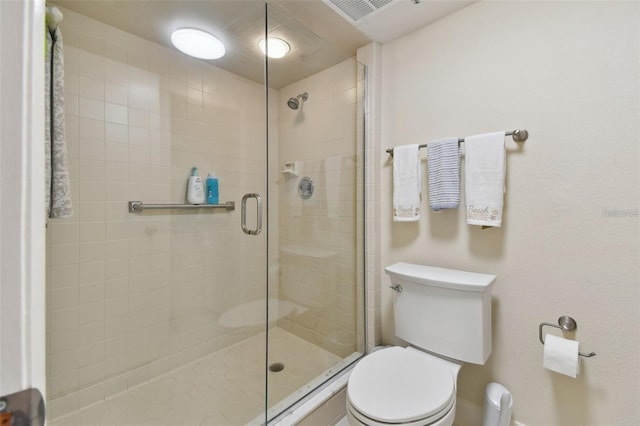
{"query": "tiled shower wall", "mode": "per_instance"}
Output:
(131, 296)
(318, 236)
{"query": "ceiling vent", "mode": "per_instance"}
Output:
(386, 20)
(355, 10)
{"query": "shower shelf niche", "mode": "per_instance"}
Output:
(139, 206)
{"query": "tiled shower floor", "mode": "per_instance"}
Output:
(224, 388)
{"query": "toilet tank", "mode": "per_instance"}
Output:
(444, 311)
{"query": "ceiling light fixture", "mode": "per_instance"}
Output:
(197, 43)
(277, 47)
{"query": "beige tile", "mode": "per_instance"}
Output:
(115, 132)
(63, 233)
(62, 298)
(61, 406)
(91, 108)
(139, 136)
(115, 94)
(117, 249)
(62, 340)
(139, 118)
(63, 362)
(62, 384)
(91, 191)
(89, 128)
(115, 327)
(91, 88)
(91, 334)
(138, 154)
(115, 385)
(91, 211)
(115, 113)
(92, 150)
(64, 319)
(117, 172)
(116, 152)
(91, 374)
(115, 72)
(116, 306)
(117, 191)
(90, 395)
(91, 232)
(91, 313)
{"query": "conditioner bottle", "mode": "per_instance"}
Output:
(195, 188)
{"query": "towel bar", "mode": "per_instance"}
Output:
(519, 135)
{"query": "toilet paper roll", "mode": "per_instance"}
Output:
(561, 355)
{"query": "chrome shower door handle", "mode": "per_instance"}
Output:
(243, 214)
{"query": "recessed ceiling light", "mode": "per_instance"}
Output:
(197, 43)
(277, 47)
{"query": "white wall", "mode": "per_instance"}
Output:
(567, 72)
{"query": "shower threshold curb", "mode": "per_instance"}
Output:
(305, 407)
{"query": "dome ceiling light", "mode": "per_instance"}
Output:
(278, 48)
(197, 43)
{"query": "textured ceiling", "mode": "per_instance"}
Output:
(318, 36)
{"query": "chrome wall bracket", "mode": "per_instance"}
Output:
(565, 323)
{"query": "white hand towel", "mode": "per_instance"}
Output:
(406, 183)
(485, 169)
(443, 172)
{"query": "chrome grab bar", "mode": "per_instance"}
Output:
(243, 214)
(139, 206)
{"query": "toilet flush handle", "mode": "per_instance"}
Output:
(396, 287)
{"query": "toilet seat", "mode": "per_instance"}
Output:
(401, 386)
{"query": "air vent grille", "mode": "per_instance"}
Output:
(379, 3)
(358, 9)
(354, 9)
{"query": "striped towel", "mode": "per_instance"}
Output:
(443, 174)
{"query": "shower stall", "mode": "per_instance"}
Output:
(172, 314)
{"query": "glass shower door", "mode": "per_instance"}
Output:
(158, 316)
(316, 278)
(198, 315)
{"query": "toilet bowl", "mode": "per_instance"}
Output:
(445, 315)
(402, 386)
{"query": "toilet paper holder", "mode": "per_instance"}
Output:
(565, 323)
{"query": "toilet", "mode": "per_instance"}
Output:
(445, 316)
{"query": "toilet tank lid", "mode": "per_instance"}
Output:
(441, 277)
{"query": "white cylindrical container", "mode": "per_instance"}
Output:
(498, 404)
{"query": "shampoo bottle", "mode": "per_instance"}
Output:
(195, 188)
(212, 189)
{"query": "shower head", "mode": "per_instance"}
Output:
(294, 103)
